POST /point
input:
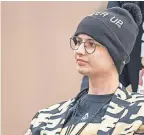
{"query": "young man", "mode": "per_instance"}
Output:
(131, 75)
(102, 44)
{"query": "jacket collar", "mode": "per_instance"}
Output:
(115, 110)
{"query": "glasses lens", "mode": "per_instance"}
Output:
(74, 43)
(90, 46)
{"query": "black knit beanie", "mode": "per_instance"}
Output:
(116, 28)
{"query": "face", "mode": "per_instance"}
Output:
(89, 64)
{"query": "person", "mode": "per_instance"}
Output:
(102, 44)
(131, 75)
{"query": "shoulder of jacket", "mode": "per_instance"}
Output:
(56, 107)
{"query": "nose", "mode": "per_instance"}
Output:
(81, 50)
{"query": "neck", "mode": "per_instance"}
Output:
(103, 84)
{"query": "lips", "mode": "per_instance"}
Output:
(81, 60)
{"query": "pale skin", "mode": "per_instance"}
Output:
(99, 67)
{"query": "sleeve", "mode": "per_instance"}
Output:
(140, 130)
(41, 118)
(34, 119)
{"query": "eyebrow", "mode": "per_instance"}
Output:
(91, 39)
(86, 39)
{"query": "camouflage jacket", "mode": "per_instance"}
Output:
(124, 116)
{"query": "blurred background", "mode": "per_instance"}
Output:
(38, 67)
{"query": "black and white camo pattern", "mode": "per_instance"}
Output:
(124, 116)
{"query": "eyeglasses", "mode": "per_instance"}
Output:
(89, 44)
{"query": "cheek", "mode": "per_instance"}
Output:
(99, 59)
(93, 59)
(74, 53)
(96, 57)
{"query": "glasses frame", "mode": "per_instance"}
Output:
(96, 44)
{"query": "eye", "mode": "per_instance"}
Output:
(76, 41)
(90, 43)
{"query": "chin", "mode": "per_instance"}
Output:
(83, 71)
